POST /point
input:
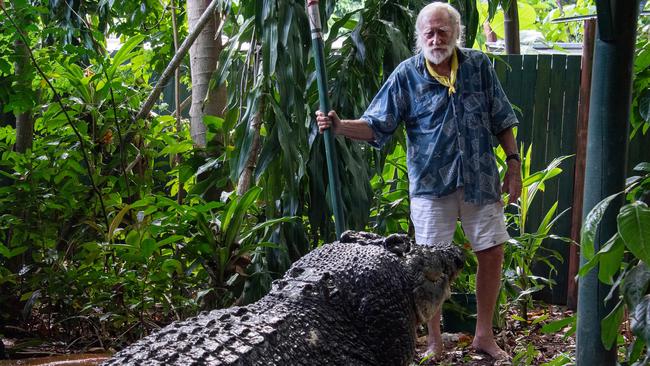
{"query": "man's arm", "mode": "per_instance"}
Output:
(512, 179)
(356, 129)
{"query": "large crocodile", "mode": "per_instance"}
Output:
(353, 302)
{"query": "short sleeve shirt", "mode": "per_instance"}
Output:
(449, 137)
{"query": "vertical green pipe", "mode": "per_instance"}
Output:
(611, 93)
(330, 152)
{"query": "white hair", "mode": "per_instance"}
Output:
(454, 19)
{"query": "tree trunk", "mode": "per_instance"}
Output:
(511, 28)
(204, 54)
(24, 72)
(176, 60)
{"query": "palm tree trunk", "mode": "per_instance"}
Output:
(511, 28)
(204, 54)
(176, 60)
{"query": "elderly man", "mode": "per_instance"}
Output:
(451, 103)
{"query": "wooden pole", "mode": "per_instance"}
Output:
(581, 152)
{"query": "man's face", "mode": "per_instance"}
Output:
(437, 36)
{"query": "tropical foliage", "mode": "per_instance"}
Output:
(622, 262)
(111, 226)
(641, 87)
(526, 249)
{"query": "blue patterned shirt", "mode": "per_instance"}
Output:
(449, 137)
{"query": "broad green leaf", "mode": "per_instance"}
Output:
(640, 319)
(10, 253)
(540, 319)
(634, 228)
(213, 122)
(527, 17)
(544, 226)
(595, 259)
(590, 226)
(132, 239)
(560, 360)
(610, 260)
(171, 239)
(644, 104)
(232, 226)
(245, 132)
(228, 215)
(147, 247)
(517, 318)
(270, 46)
(636, 284)
(124, 53)
(162, 201)
(207, 207)
(250, 247)
(610, 325)
(555, 326)
(226, 59)
(643, 167)
(204, 228)
(357, 40)
(396, 39)
(287, 23)
(18, 251)
(246, 233)
(177, 148)
(170, 265)
(4, 251)
(635, 349)
(117, 220)
(144, 202)
(334, 29)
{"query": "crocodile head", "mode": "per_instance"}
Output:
(431, 268)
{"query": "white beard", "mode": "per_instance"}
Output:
(437, 57)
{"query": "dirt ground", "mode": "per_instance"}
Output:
(525, 343)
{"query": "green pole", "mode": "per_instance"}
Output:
(611, 94)
(330, 153)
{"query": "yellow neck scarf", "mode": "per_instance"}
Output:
(444, 80)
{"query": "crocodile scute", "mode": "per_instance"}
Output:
(356, 301)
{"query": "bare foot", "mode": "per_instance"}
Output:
(490, 347)
(434, 347)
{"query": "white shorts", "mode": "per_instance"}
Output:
(435, 221)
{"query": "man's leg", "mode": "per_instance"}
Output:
(434, 338)
(488, 282)
(435, 222)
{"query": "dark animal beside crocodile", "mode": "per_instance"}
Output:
(353, 302)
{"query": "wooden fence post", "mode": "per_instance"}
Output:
(581, 151)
